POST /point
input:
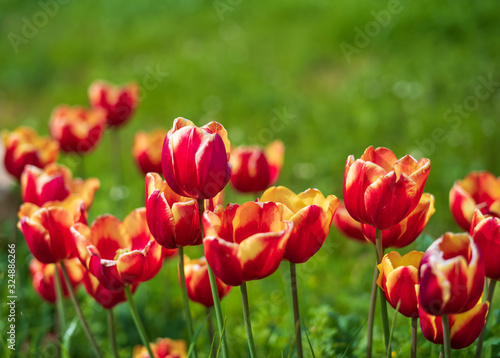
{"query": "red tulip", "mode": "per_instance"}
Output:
(464, 327)
(118, 253)
(406, 231)
(118, 102)
(173, 219)
(398, 278)
(451, 275)
(254, 168)
(47, 228)
(311, 214)
(347, 225)
(198, 283)
(478, 190)
(380, 190)
(163, 348)
(244, 243)
(43, 277)
(55, 182)
(195, 160)
(78, 130)
(23, 146)
(485, 231)
(106, 298)
(147, 150)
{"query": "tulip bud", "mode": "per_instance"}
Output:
(147, 150)
(347, 225)
(485, 231)
(162, 348)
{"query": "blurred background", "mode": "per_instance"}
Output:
(327, 78)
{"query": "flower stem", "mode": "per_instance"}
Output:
(414, 337)
(371, 315)
(246, 316)
(491, 290)
(446, 336)
(111, 332)
(383, 301)
(215, 292)
(187, 310)
(79, 311)
(296, 312)
(210, 325)
(60, 306)
(137, 321)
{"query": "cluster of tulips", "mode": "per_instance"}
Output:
(383, 203)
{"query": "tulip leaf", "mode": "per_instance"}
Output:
(308, 340)
(353, 338)
(196, 334)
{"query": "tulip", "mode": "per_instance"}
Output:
(147, 150)
(163, 348)
(349, 227)
(478, 190)
(406, 231)
(311, 214)
(23, 146)
(106, 298)
(485, 231)
(380, 190)
(55, 182)
(78, 130)
(398, 278)
(118, 253)
(254, 168)
(195, 160)
(451, 275)
(47, 228)
(172, 219)
(118, 102)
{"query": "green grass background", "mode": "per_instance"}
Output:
(241, 63)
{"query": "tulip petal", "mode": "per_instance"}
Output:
(130, 266)
(223, 258)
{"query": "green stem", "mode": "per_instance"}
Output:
(187, 310)
(137, 321)
(491, 290)
(383, 301)
(210, 325)
(388, 352)
(296, 312)
(446, 336)
(79, 311)
(60, 306)
(414, 331)
(111, 332)
(371, 315)
(246, 316)
(215, 292)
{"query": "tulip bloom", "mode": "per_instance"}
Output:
(47, 228)
(406, 231)
(347, 225)
(451, 275)
(118, 253)
(198, 283)
(398, 278)
(464, 327)
(118, 102)
(78, 130)
(195, 160)
(106, 298)
(23, 146)
(485, 231)
(173, 219)
(380, 190)
(244, 243)
(55, 182)
(147, 150)
(163, 348)
(478, 190)
(311, 214)
(43, 277)
(254, 168)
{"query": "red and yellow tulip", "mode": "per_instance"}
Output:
(162, 348)
(147, 150)
(485, 231)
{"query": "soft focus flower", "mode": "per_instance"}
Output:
(43, 277)
(198, 283)
(311, 214)
(118, 253)
(451, 275)
(406, 231)
(23, 146)
(119, 102)
(163, 348)
(173, 219)
(485, 231)
(478, 190)
(78, 130)
(380, 190)
(244, 243)
(55, 182)
(47, 228)
(106, 298)
(254, 168)
(464, 327)
(398, 278)
(195, 160)
(147, 150)
(347, 225)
